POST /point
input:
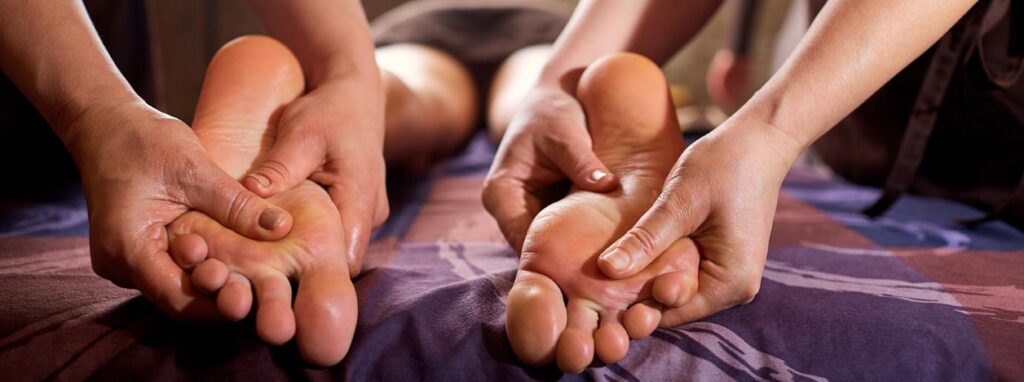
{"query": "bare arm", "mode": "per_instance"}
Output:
(723, 190)
(140, 168)
(653, 28)
(330, 37)
(851, 50)
(50, 50)
(334, 134)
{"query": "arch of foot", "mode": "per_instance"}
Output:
(561, 308)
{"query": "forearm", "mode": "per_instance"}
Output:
(331, 38)
(653, 28)
(52, 53)
(851, 50)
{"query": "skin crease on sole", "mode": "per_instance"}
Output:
(636, 135)
(248, 83)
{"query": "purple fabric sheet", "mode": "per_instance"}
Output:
(911, 296)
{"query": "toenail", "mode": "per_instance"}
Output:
(597, 175)
(271, 218)
(262, 180)
(617, 259)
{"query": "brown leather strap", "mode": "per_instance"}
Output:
(922, 117)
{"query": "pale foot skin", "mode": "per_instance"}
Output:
(247, 84)
(431, 105)
(510, 85)
(635, 133)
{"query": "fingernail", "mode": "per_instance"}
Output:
(597, 175)
(262, 180)
(271, 218)
(618, 260)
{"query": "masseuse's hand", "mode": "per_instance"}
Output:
(546, 143)
(334, 136)
(141, 169)
(722, 193)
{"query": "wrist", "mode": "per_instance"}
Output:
(762, 140)
(342, 67)
(86, 128)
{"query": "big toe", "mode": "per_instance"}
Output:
(535, 318)
(325, 313)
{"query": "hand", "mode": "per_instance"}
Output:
(547, 142)
(140, 170)
(728, 78)
(333, 135)
(722, 194)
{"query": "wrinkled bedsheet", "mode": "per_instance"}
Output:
(910, 296)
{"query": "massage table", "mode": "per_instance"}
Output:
(909, 296)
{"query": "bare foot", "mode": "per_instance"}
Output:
(432, 105)
(512, 82)
(431, 109)
(248, 82)
(325, 310)
(636, 134)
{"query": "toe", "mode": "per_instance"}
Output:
(576, 344)
(535, 318)
(275, 321)
(610, 340)
(210, 275)
(642, 319)
(325, 312)
(188, 250)
(234, 301)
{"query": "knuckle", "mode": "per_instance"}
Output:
(747, 290)
(493, 192)
(238, 202)
(274, 169)
(643, 240)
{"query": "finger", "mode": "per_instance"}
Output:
(579, 162)
(210, 276)
(610, 340)
(325, 313)
(712, 297)
(576, 345)
(642, 319)
(290, 161)
(676, 288)
(275, 321)
(188, 250)
(512, 206)
(535, 318)
(357, 212)
(234, 301)
(671, 217)
(230, 204)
